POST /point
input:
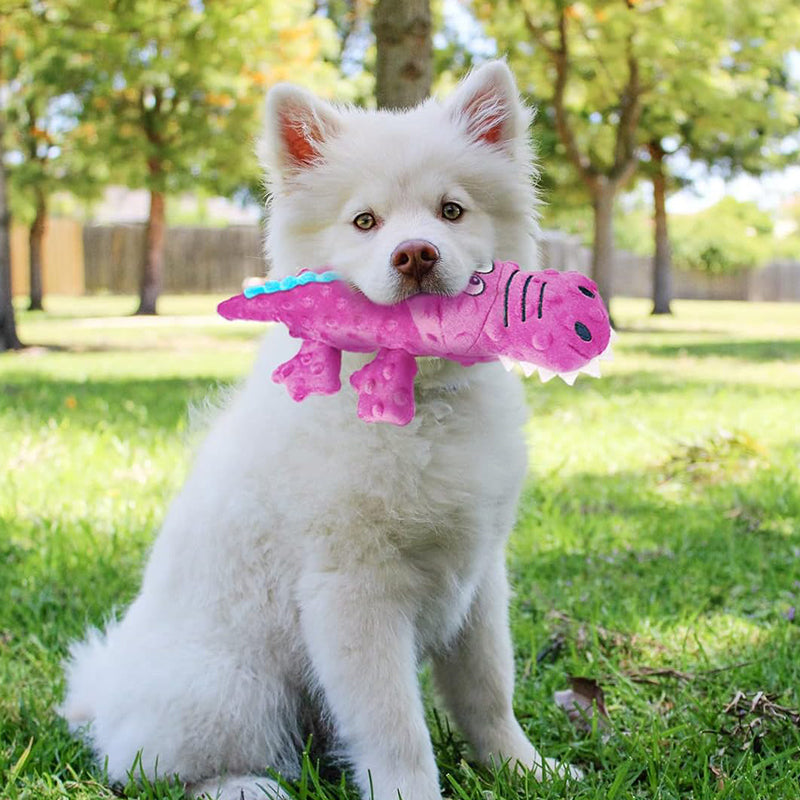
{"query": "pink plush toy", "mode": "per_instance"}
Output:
(551, 321)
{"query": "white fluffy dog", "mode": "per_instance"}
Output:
(313, 560)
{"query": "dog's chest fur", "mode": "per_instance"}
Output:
(421, 511)
(414, 514)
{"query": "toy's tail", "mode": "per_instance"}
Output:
(254, 304)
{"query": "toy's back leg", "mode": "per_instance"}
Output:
(385, 387)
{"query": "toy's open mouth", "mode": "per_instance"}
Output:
(591, 368)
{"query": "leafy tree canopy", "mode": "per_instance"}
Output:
(727, 237)
(40, 71)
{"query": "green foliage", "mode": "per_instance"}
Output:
(161, 94)
(727, 237)
(787, 230)
(660, 530)
(176, 102)
(725, 96)
(40, 72)
(711, 79)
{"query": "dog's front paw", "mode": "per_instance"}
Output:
(528, 759)
(551, 768)
(237, 787)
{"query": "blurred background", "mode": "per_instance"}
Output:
(667, 133)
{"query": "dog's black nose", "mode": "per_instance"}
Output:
(415, 258)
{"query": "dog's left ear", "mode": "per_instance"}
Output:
(487, 103)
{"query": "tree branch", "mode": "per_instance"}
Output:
(625, 160)
(539, 35)
(600, 61)
(565, 132)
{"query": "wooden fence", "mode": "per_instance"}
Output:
(195, 259)
(107, 258)
(778, 281)
(62, 258)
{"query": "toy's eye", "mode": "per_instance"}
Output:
(583, 332)
(475, 286)
(451, 211)
(485, 270)
(365, 221)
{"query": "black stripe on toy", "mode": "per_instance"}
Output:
(524, 295)
(505, 299)
(541, 300)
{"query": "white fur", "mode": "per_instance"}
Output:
(312, 560)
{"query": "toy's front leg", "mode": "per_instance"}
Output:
(314, 370)
(385, 387)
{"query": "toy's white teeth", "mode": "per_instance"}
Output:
(608, 353)
(508, 363)
(592, 368)
(569, 377)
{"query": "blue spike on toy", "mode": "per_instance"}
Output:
(290, 282)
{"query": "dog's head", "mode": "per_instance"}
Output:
(401, 202)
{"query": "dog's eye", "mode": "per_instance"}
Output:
(452, 211)
(364, 221)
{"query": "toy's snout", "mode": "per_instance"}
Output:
(570, 308)
(550, 319)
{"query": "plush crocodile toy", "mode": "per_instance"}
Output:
(551, 321)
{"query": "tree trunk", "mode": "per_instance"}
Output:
(662, 258)
(404, 62)
(35, 241)
(8, 327)
(153, 265)
(603, 247)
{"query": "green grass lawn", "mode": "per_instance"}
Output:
(657, 549)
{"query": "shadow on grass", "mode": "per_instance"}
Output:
(615, 547)
(160, 341)
(153, 403)
(670, 331)
(745, 350)
(643, 384)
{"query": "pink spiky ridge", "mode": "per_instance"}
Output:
(548, 321)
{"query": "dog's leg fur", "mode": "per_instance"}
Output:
(475, 678)
(360, 634)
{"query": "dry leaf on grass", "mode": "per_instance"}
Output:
(756, 715)
(719, 775)
(580, 702)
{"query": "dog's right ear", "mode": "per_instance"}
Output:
(297, 125)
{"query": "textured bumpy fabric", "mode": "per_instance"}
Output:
(550, 321)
